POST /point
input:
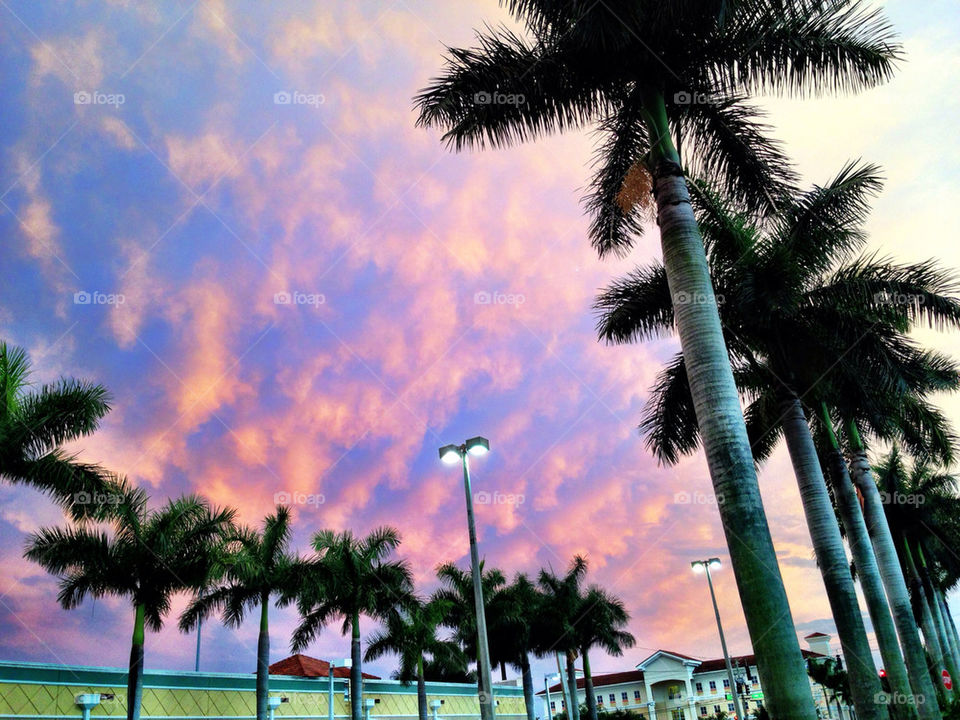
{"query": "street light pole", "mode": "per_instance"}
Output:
(705, 565)
(477, 445)
(332, 666)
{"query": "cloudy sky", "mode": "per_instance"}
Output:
(161, 201)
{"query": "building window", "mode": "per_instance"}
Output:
(676, 714)
(613, 699)
(673, 692)
(703, 710)
(730, 707)
(716, 709)
(713, 685)
(553, 705)
(599, 699)
(726, 683)
(699, 687)
(636, 695)
(623, 696)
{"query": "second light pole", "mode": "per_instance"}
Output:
(705, 566)
(451, 454)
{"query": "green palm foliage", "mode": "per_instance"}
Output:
(36, 421)
(410, 632)
(147, 557)
(666, 84)
(255, 567)
(801, 319)
(349, 577)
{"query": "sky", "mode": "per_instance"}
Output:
(223, 212)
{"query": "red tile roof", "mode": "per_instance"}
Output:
(305, 666)
(815, 634)
(746, 660)
(607, 679)
(637, 675)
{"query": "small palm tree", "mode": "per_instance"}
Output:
(457, 590)
(563, 604)
(601, 622)
(518, 630)
(256, 567)
(639, 69)
(148, 556)
(35, 423)
(921, 507)
(410, 631)
(350, 577)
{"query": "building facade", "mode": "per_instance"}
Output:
(669, 685)
(35, 691)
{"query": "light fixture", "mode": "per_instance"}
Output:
(478, 445)
(700, 565)
(450, 454)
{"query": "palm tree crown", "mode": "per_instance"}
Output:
(35, 422)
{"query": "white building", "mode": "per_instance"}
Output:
(669, 685)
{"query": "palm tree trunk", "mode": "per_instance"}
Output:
(727, 448)
(573, 710)
(263, 659)
(936, 615)
(528, 696)
(588, 686)
(828, 545)
(951, 629)
(924, 617)
(356, 671)
(893, 580)
(135, 672)
(421, 690)
(869, 575)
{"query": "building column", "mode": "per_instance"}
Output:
(691, 701)
(651, 705)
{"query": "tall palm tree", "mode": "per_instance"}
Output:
(256, 567)
(36, 422)
(563, 608)
(349, 577)
(410, 631)
(921, 506)
(457, 590)
(780, 314)
(618, 64)
(148, 556)
(601, 622)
